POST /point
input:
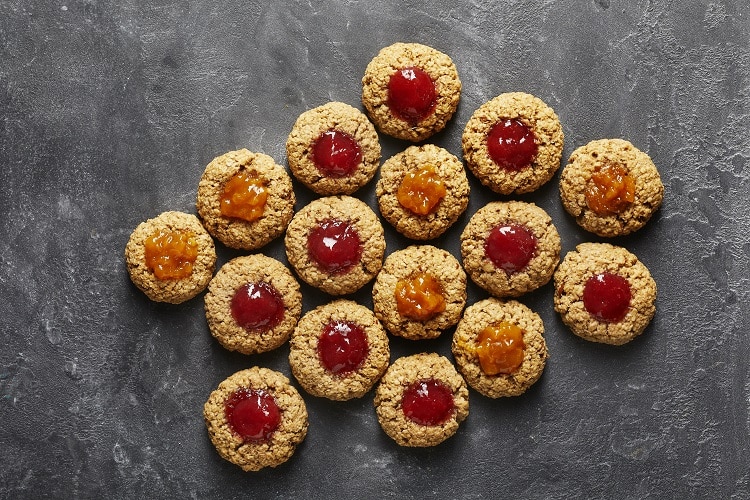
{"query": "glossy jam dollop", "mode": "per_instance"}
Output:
(244, 197)
(342, 347)
(411, 94)
(257, 306)
(336, 154)
(606, 296)
(420, 297)
(611, 190)
(170, 254)
(510, 247)
(334, 245)
(428, 402)
(420, 192)
(253, 414)
(512, 145)
(500, 348)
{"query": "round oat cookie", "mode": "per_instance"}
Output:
(595, 305)
(610, 158)
(425, 90)
(404, 273)
(413, 174)
(500, 237)
(163, 230)
(339, 351)
(243, 437)
(336, 244)
(520, 111)
(333, 149)
(492, 312)
(253, 304)
(428, 388)
(269, 177)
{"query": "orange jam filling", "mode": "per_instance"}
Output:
(170, 254)
(500, 348)
(419, 298)
(421, 191)
(244, 197)
(611, 190)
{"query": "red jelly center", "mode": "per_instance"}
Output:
(257, 306)
(336, 154)
(428, 402)
(512, 145)
(342, 347)
(335, 246)
(510, 247)
(253, 414)
(411, 94)
(606, 296)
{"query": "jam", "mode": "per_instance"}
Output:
(336, 154)
(500, 348)
(606, 297)
(428, 402)
(342, 347)
(421, 191)
(170, 254)
(257, 306)
(419, 298)
(244, 197)
(610, 191)
(334, 245)
(253, 414)
(411, 95)
(512, 145)
(510, 247)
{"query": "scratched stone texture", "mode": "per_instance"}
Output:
(109, 111)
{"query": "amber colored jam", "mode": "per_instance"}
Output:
(428, 402)
(336, 154)
(257, 306)
(170, 254)
(511, 144)
(334, 245)
(510, 247)
(606, 296)
(411, 95)
(253, 414)
(421, 191)
(611, 190)
(342, 347)
(500, 348)
(244, 197)
(419, 298)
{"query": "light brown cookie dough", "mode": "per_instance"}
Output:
(421, 274)
(380, 104)
(322, 241)
(339, 351)
(239, 430)
(610, 187)
(500, 272)
(433, 183)
(333, 149)
(268, 177)
(154, 278)
(253, 304)
(503, 376)
(429, 376)
(534, 114)
(579, 287)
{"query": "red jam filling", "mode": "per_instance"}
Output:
(253, 414)
(257, 306)
(511, 144)
(342, 347)
(428, 402)
(334, 245)
(510, 247)
(336, 154)
(606, 296)
(411, 95)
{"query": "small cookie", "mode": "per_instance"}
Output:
(510, 248)
(420, 292)
(336, 244)
(339, 350)
(253, 304)
(333, 149)
(422, 191)
(410, 90)
(421, 400)
(513, 143)
(256, 418)
(604, 293)
(171, 257)
(245, 199)
(499, 347)
(611, 187)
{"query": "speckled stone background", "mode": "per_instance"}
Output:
(109, 111)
